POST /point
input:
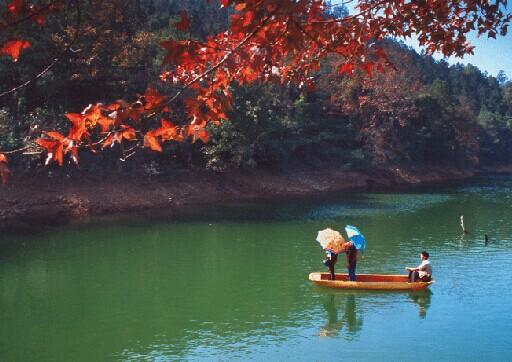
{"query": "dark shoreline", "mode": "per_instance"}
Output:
(47, 201)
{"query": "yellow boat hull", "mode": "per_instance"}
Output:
(368, 282)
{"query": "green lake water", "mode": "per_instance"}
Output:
(230, 283)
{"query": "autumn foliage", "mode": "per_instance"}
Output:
(13, 48)
(280, 41)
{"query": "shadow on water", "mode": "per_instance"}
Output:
(422, 298)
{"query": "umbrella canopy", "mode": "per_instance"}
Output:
(331, 240)
(356, 237)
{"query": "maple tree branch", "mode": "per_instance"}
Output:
(33, 79)
(84, 145)
(130, 152)
(55, 61)
(125, 157)
(101, 140)
(223, 60)
(134, 147)
(320, 45)
(15, 151)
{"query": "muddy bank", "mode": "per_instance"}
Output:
(44, 200)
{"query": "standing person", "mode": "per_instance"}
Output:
(357, 242)
(351, 252)
(333, 243)
(332, 258)
(422, 273)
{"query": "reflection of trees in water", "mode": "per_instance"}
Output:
(350, 322)
(345, 318)
(422, 298)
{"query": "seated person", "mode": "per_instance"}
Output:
(423, 273)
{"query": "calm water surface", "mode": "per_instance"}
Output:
(231, 283)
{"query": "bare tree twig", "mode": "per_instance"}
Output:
(33, 79)
(16, 151)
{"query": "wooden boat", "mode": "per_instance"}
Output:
(368, 282)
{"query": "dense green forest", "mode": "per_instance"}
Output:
(423, 113)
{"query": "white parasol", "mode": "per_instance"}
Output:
(331, 240)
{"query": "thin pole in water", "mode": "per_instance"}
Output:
(486, 239)
(464, 231)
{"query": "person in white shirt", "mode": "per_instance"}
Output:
(332, 258)
(422, 273)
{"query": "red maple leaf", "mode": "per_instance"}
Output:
(94, 114)
(198, 132)
(126, 132)
(16, 7)
(57, 146)
(168, 131)
(13, 48)
(152, 99)
(78, 129)
(54, 147)
(151, 141)
(346, 68)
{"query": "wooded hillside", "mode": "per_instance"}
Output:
(416, 112)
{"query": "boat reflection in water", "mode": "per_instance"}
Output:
(344, 311)
(350, 322)
(422, 298)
